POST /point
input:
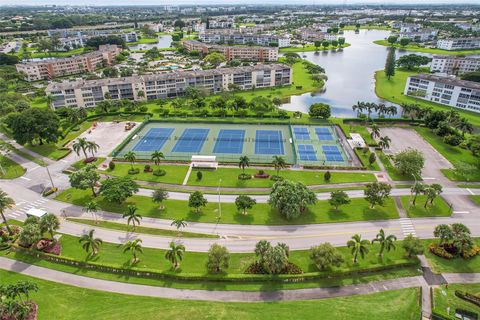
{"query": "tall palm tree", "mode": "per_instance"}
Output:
(375, 131)
(358, 246)
(6, 203)
(358, 107)
(279, 163)
(92, 207)
(88, 242)
(179, 224)
(134, 247)
(92, 146)
(157, 156)
(417, 189)
(130, 156)
(386, 242)
(244, 162)
(384, 142)
(132, 216)
(175, 254)
(80, 144)
(392, 111)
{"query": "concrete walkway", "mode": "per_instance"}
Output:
(206, 295)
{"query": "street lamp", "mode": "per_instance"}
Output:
(219, 203)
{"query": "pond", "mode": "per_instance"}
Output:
(164, 41)
(350, 74)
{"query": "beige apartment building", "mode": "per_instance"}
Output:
(87, 93)
(261, 54)
(49, 69)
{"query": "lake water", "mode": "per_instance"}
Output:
(163, 42)
(350, 74)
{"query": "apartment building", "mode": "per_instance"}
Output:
(82, 36)
(234, 37)
(445, 90)
(454, 65)
(234, 52)
(87, 93)
(421, 35)
(459, 44)
(315, 35)
(49, 69)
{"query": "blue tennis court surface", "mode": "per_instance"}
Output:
(332, 153)
(323, 134)
(192, 140)
(229, 141)
(268, 142)
(301, 133)
(153, 140)
(306, 152)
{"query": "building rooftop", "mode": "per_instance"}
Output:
(55, 86)
(209, 45)
(455, 57)
(449, 80)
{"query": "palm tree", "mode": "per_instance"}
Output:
(175, 254)
(358, 246)
(384, 142)
(130, 156)
(92, 207)
(375, 131)
(464, 126)
(244, 162)
(134, 247)
(359, 107)
(157, 156)
(80, 144)
(416, 189)
(88, 242)
(132, 216)
(92, 146)
(179, 224)
(279, 163)
(392, 111)
(386, 242)
(5, 203)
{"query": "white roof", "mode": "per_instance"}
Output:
(36, 212)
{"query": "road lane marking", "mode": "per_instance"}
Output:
(471, 192)
(25, 178)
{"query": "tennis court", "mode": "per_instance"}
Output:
(154, 139)
(315, 145)
(269, 142)
(229, 141)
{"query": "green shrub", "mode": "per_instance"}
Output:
(159, 172)
(133, 171)
(199, 175)
(111, 165)
(440, 251)
(244, 176)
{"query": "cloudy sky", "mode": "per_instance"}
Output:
(200, 2)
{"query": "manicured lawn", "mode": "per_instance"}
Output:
(391, 170)
(364, 157)
(454, 176)
(49, 150)
(311, 47)
(412, 47)
(175, 174)
(140, 229)
(73, 134)
(322, 212)
(229, 177)
(63, 302)
(24, 154)
(439, 208)
(444, 298)
(80, 163)
(10, 169)
(392, 90)
(475, 199)
(457, 265)
(143, 41)
(355, 128)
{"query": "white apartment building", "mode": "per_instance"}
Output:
(420, 35)
(227, 35)
(445, 90)
(49, 69)
(459, 44)
(454, 65)
(87, 93)
(235, 52)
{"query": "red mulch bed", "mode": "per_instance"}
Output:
(90, 160)
(262, 176)
(33, 315)
(49, 246)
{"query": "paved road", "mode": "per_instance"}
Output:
(206, 295)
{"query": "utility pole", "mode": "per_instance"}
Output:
(50, 177)
(219, 203)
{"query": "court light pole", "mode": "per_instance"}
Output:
(219, 203)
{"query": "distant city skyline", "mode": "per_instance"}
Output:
(224, 2)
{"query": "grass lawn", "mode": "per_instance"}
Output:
(457, 265)
(355, 128)
(63, 302)
(80, 163)
(229, 177)
(175, 174)
(364, 157)
(392, 90)
(454, 176)
(391, 170)
(23, 154)
(475, 199)
(49, 150)
(311, 47)
(140, 229)
(412, 47)
(10, 169)
(73, 134)
(321, 212)
(439, 208)
(445, 298)
(143, 41)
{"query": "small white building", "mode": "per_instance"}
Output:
(454, 65)
(459, 44)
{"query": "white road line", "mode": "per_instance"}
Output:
(461, 211)
(471, 192)
(64, 161)
(25, 178)
(34, 168)
(428, 178)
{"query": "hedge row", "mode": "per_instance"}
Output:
(155, 274)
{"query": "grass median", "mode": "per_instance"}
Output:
(445, 302)
(439, 208)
